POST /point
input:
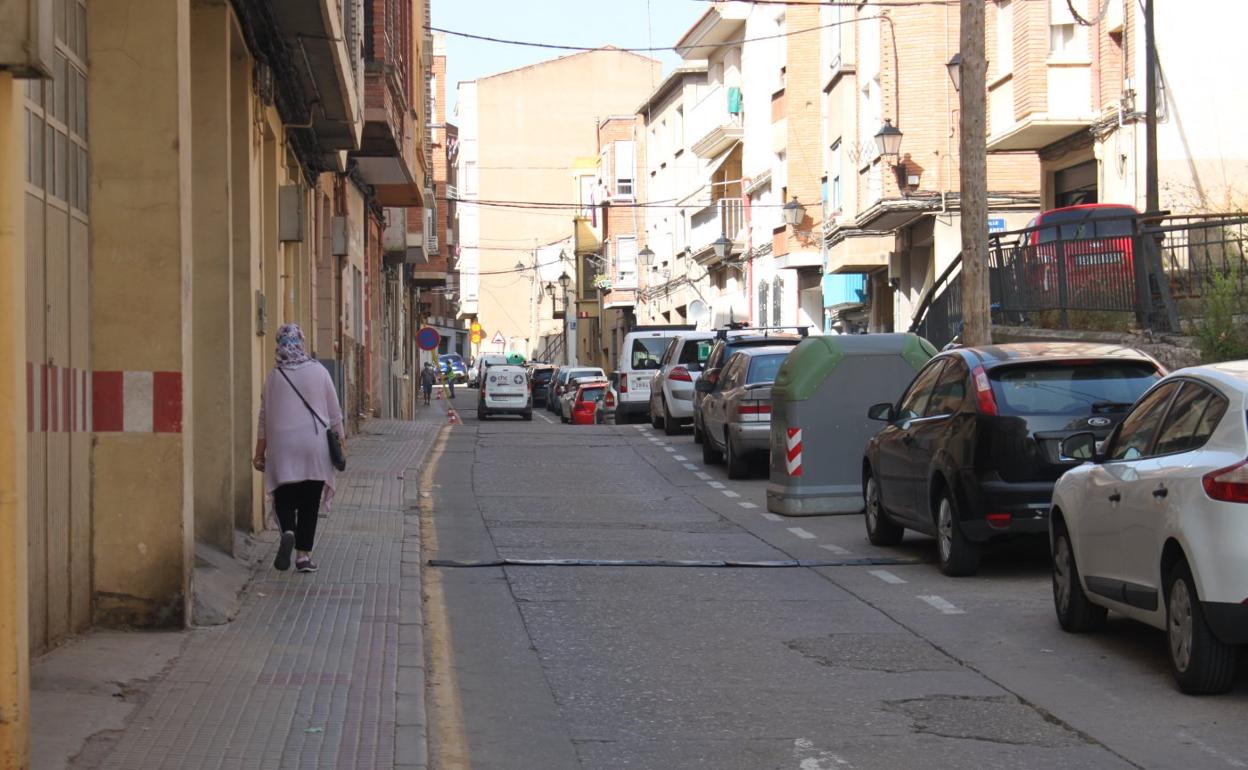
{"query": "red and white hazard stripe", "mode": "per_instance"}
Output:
(137, 402)
(793, 458)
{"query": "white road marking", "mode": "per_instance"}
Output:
(944, 606)
(547, 419)
(714, 485)
(836, 549)
(729, 493)
(744, 504)
(691, 466)
(679, 458)
(770, 516)
(888, 577)
(799, 532)
(703, 476)
(668, 449)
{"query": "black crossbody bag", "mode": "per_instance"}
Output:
(336, 455)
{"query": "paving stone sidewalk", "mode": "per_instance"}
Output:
(317, 671)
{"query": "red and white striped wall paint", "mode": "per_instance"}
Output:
(67, 400)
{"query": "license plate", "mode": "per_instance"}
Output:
(639, 382)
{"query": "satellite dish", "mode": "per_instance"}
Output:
(697, 311)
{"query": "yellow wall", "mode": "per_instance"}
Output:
(14, 661)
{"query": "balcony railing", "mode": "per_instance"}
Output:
(724, 218)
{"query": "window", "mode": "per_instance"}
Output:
(1138, 429)
(693, 354)
(626, 261)
(1005, 37)
(647, 351)
(733, 372)
(949, 393)
(1193, 416)
(777, 301)
(762, 302)
(678, 130)
(914, 402)
(834, 176)
(624, 169)
(1062, 389)
(471, 177)
(1067, 38)
(830, 19)
(765, 368)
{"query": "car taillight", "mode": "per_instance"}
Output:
(754, 409)
(623, 383)
(680, 374)
(1229, 485)
(983, 392)
(610, 399)
(998, 520)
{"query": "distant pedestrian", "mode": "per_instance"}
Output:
(297, 405)
(427, 379)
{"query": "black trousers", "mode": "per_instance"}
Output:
(297, 506)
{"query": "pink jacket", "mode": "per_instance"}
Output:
(295, 445)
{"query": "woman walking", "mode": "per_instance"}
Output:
(297, 406)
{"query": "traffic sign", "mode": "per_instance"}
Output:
(499, 340)
(428, 338)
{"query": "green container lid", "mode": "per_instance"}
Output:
(815, 358)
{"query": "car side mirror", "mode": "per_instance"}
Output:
(704, 385)
(1081, 447)
(881, 412)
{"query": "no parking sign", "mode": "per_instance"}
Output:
(428, 338)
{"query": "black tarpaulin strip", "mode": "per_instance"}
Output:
(703, 563)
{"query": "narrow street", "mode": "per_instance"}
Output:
(879, 665)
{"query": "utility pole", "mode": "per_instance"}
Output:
(973, 156)
(1152, 196)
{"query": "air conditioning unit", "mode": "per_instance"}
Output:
(339, 237)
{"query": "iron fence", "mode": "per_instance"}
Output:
(1195, 251)
(939, 315)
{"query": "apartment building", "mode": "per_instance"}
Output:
(622, 181)
(175, 183)
(889, 140)
(519, 132)
(1069, 84)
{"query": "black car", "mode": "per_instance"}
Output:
(970, 453)
(727, 342)
(540, 376)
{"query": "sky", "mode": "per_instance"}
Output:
(622, 23)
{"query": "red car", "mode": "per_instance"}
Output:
(581, 408)
(1094, 241)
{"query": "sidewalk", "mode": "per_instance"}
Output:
(322, 670)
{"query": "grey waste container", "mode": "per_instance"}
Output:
(819, 425)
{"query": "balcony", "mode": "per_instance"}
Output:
(723, 218)
(1064, 107)
(711, 124)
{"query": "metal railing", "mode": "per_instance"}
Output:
(938, 318)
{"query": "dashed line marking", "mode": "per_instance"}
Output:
(703, 475)
(668, 449)
(772, 517)
(744, 504)
(836, 549)
(679, 458)
(729, 493)
(944, 606)
(691, 466)
(715, 485)
(799, 532)
(887, 577)
(547, 419)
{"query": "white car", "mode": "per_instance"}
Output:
(505, 389)
(1155, 526)
(671, 390)
(639, 360)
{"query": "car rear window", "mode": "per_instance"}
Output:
(591, 394)
(1070, 388)
(1107, 222)
(764, 368)
(694, 353)
(647, 351)
(542, 375)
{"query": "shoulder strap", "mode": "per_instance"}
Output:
(301, 398)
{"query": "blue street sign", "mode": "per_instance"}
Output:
(996, 224)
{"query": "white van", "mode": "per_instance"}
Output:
(639, 362)
(505, 389)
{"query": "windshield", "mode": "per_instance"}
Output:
(647, 351)
(1102, 222)
(1071, 388)
(764, 368)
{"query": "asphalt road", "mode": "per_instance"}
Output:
(879, 666)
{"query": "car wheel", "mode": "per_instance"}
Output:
(670, 426)
(1202, 664)
(528, 416)
(881, 530)
(482, 414)
(738, 466)
(1075, 612)
(710, 455)
(958, 556)
(698, 436)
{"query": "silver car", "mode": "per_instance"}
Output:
(736, 410)
(671, 390)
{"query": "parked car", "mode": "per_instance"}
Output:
(1155, 526)
(550, 400)
(452, 367)
(479, 365)
(639, 360)
(580, 404)
(560, 382)
(1090, 246)
(671, 390)
(970, 451)
(727, 342)
(539, 375)
(737, 408)
(504, 390)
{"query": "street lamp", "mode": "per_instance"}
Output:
(954, 65)
(794, 213)
(722, 246)
(550, 290)
(645, 257)
(888, 139)
(565, 280)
